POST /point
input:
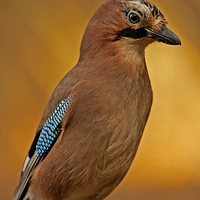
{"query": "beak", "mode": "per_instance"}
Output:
(166, 36)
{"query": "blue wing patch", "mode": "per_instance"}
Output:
(52, 128)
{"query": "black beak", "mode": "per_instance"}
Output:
(166, 36)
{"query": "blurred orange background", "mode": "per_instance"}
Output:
(39, 44)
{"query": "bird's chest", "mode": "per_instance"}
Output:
(121, 120)
(126, 115)
(108, 121)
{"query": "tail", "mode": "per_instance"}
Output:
(26, 175)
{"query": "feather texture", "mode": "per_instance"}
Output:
(84, 153)
(47, 137)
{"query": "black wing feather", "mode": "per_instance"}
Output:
(42, 144)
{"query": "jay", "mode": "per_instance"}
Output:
(92, 125)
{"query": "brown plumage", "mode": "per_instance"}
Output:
(111, 100)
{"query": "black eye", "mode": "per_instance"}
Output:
(133, 18)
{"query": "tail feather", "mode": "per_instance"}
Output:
(26, 176)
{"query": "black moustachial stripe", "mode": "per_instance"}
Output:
(131, 33)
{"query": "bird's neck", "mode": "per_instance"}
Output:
(115, 60)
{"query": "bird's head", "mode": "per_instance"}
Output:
(128, 24)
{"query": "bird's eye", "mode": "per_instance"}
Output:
(133, 18)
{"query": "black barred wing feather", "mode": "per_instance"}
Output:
(51, 128)
(42, 144)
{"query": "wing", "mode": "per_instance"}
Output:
(42, 144)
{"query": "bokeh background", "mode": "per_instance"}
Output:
(39, 43)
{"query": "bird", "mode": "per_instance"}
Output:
(92, 125)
